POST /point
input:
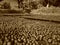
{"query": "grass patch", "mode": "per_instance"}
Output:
(29, 31)
(44, 10)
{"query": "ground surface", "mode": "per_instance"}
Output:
(20, 31)
(47, 11)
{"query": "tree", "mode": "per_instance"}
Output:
(20, 3)
(1, 0)
(57, 3)
(43, 2)
(51, 2)
(48, 3)
(33, 5)
(6, 5)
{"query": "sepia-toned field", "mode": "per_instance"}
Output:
(21, 31)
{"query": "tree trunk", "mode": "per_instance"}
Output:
(47, 5)
(18, 4)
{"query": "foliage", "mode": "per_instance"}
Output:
(1, 0)
(33, 5)
(52, 2)
(6, 5)
(20, 2)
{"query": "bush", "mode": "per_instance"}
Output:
(6, 5)
(33, 5)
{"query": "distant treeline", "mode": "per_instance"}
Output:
(38, 3)
(52, 2)
(34, 4)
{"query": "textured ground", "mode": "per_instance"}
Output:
(20, 31)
